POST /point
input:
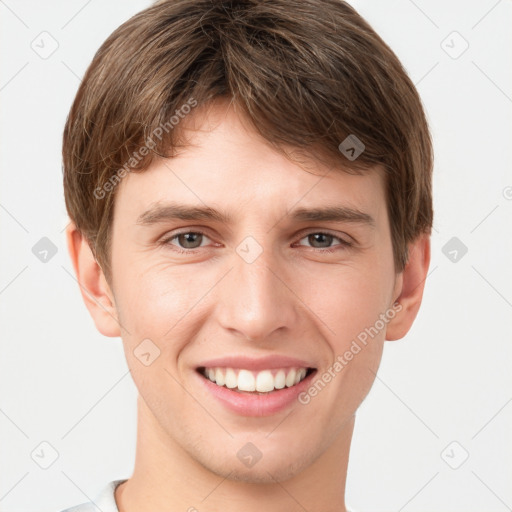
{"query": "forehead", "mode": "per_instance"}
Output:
(227, 165)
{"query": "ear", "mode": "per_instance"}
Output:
(95, 290)
(409, 288)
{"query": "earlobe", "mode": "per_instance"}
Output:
(94, 288)
(412, 283)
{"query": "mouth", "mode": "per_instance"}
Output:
(252, 382)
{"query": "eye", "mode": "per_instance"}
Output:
(322, 240)
(186, 240)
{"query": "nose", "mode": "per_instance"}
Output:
(256, 300)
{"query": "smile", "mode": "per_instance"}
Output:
(257, 382)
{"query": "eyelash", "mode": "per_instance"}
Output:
(166, 242)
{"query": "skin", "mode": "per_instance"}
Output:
(294, 299)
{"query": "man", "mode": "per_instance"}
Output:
(249, 185)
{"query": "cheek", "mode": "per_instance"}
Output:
(351, 309)
(158, 307)
(169, 305)
(155, 301)
(348, 300)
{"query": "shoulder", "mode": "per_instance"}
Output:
(105, 501)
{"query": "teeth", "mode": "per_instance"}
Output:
(231, 379)
(300, 375)
(280, 379)
(265, 381)
(219, 377)
(262, 382)
(290, 378)
(246, 381)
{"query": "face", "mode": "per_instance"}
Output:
(239, 278)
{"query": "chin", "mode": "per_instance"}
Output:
(279, 469)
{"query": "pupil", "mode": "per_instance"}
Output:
(188, 240)
(320, 238)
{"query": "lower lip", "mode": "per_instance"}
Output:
(247, 404)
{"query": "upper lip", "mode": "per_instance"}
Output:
(256, 364)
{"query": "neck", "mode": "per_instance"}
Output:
(166, 477)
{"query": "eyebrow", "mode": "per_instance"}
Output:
(161, 213)
(333, 213)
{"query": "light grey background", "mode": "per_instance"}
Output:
(448, 381)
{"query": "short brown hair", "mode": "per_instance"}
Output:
(306, 73)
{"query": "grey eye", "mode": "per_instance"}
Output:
(189, 240)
